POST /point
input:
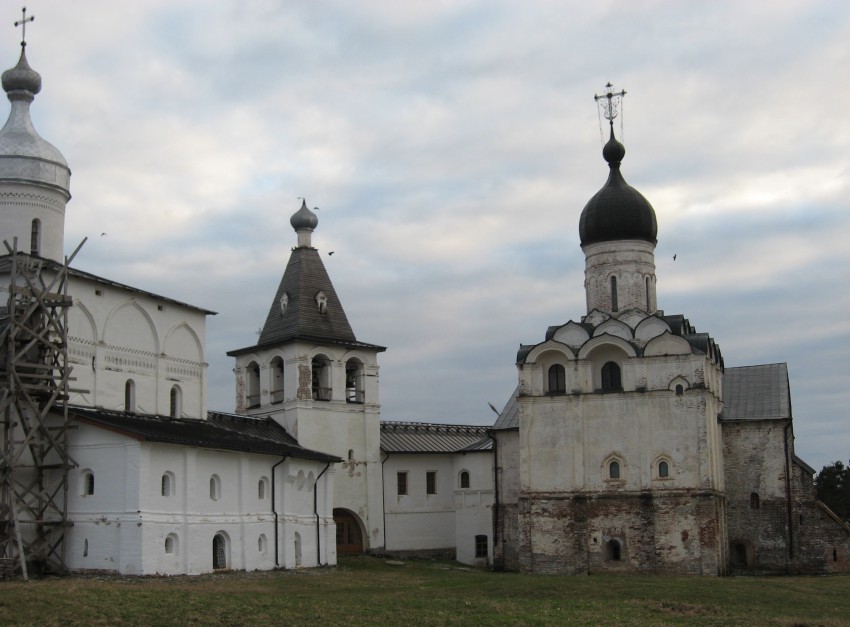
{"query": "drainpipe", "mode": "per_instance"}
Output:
(274, 511)
(384, 501)
(316, 512)
(495, 489)
(788, 506)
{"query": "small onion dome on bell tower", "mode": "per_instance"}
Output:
(304, 222)
(617, 211)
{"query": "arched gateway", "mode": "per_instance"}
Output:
(349, 533)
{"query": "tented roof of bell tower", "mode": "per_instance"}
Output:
(306, 305)
(303, 281)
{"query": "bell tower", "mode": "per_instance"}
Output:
(311, 374)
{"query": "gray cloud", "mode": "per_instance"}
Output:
(451, 147)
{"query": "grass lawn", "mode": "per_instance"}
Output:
(369, 591)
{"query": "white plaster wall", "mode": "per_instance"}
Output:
(127, 519)
(116, 334)
(474, 506)
(566, 441)
(350, 431)
(20, 204)
(419, 520)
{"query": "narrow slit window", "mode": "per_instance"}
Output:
(614, 293)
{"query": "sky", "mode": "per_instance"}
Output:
(450, 148)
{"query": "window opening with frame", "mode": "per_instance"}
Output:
(431, 482)
(557, 379)
(481, 546)
(401, 483)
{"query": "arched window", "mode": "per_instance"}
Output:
(612, 551)
(88, 483)
(464, 479)
(171, 544)
(262, 488)
(262, 544)
(663, 469)
(680, 389)
(614, 470)
(253, 388)
(176, 408)
(276, 374)
(215, 488)
(754, 500)
(220, 550)
(611, 377)
(557, 379)
(351, 454)
(613, 293)
(321, 378)
(167, 484)
(35, 237)
(130, 396)
(354, 381)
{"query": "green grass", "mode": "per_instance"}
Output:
(365, 590)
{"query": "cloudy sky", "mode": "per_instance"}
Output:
(451, 147)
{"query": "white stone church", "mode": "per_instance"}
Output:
(627, 444)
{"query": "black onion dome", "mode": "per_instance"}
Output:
(304, 218)
(617, 211)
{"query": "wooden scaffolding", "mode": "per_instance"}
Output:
(34, 379)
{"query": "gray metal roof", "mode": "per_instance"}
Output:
(305, 276)
(421, 437)
(756, 393)
(509, 416)
(220, 431)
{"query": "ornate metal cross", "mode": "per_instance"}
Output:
(23, 24)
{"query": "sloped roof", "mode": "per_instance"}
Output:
(756, 393)
(6, 265)
(305, 276)
(509, 416)
(421, 437)
(220, 431)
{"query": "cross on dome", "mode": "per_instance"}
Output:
(23, 24)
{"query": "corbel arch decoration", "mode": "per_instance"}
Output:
(667, 344)
(679, 385)
(571, 334)
(614, 327)
(182, 342)
(563, 351)
(595, 343)
(123, 320)
(651, 327)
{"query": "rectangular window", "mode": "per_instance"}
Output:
(431, 482)
(480, 546)
(401, 483)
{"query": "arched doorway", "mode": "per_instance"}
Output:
(220, 552)
(349, 537)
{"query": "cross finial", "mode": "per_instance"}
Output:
(23, 24)
(609, 102)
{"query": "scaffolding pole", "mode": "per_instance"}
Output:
(34, 384)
